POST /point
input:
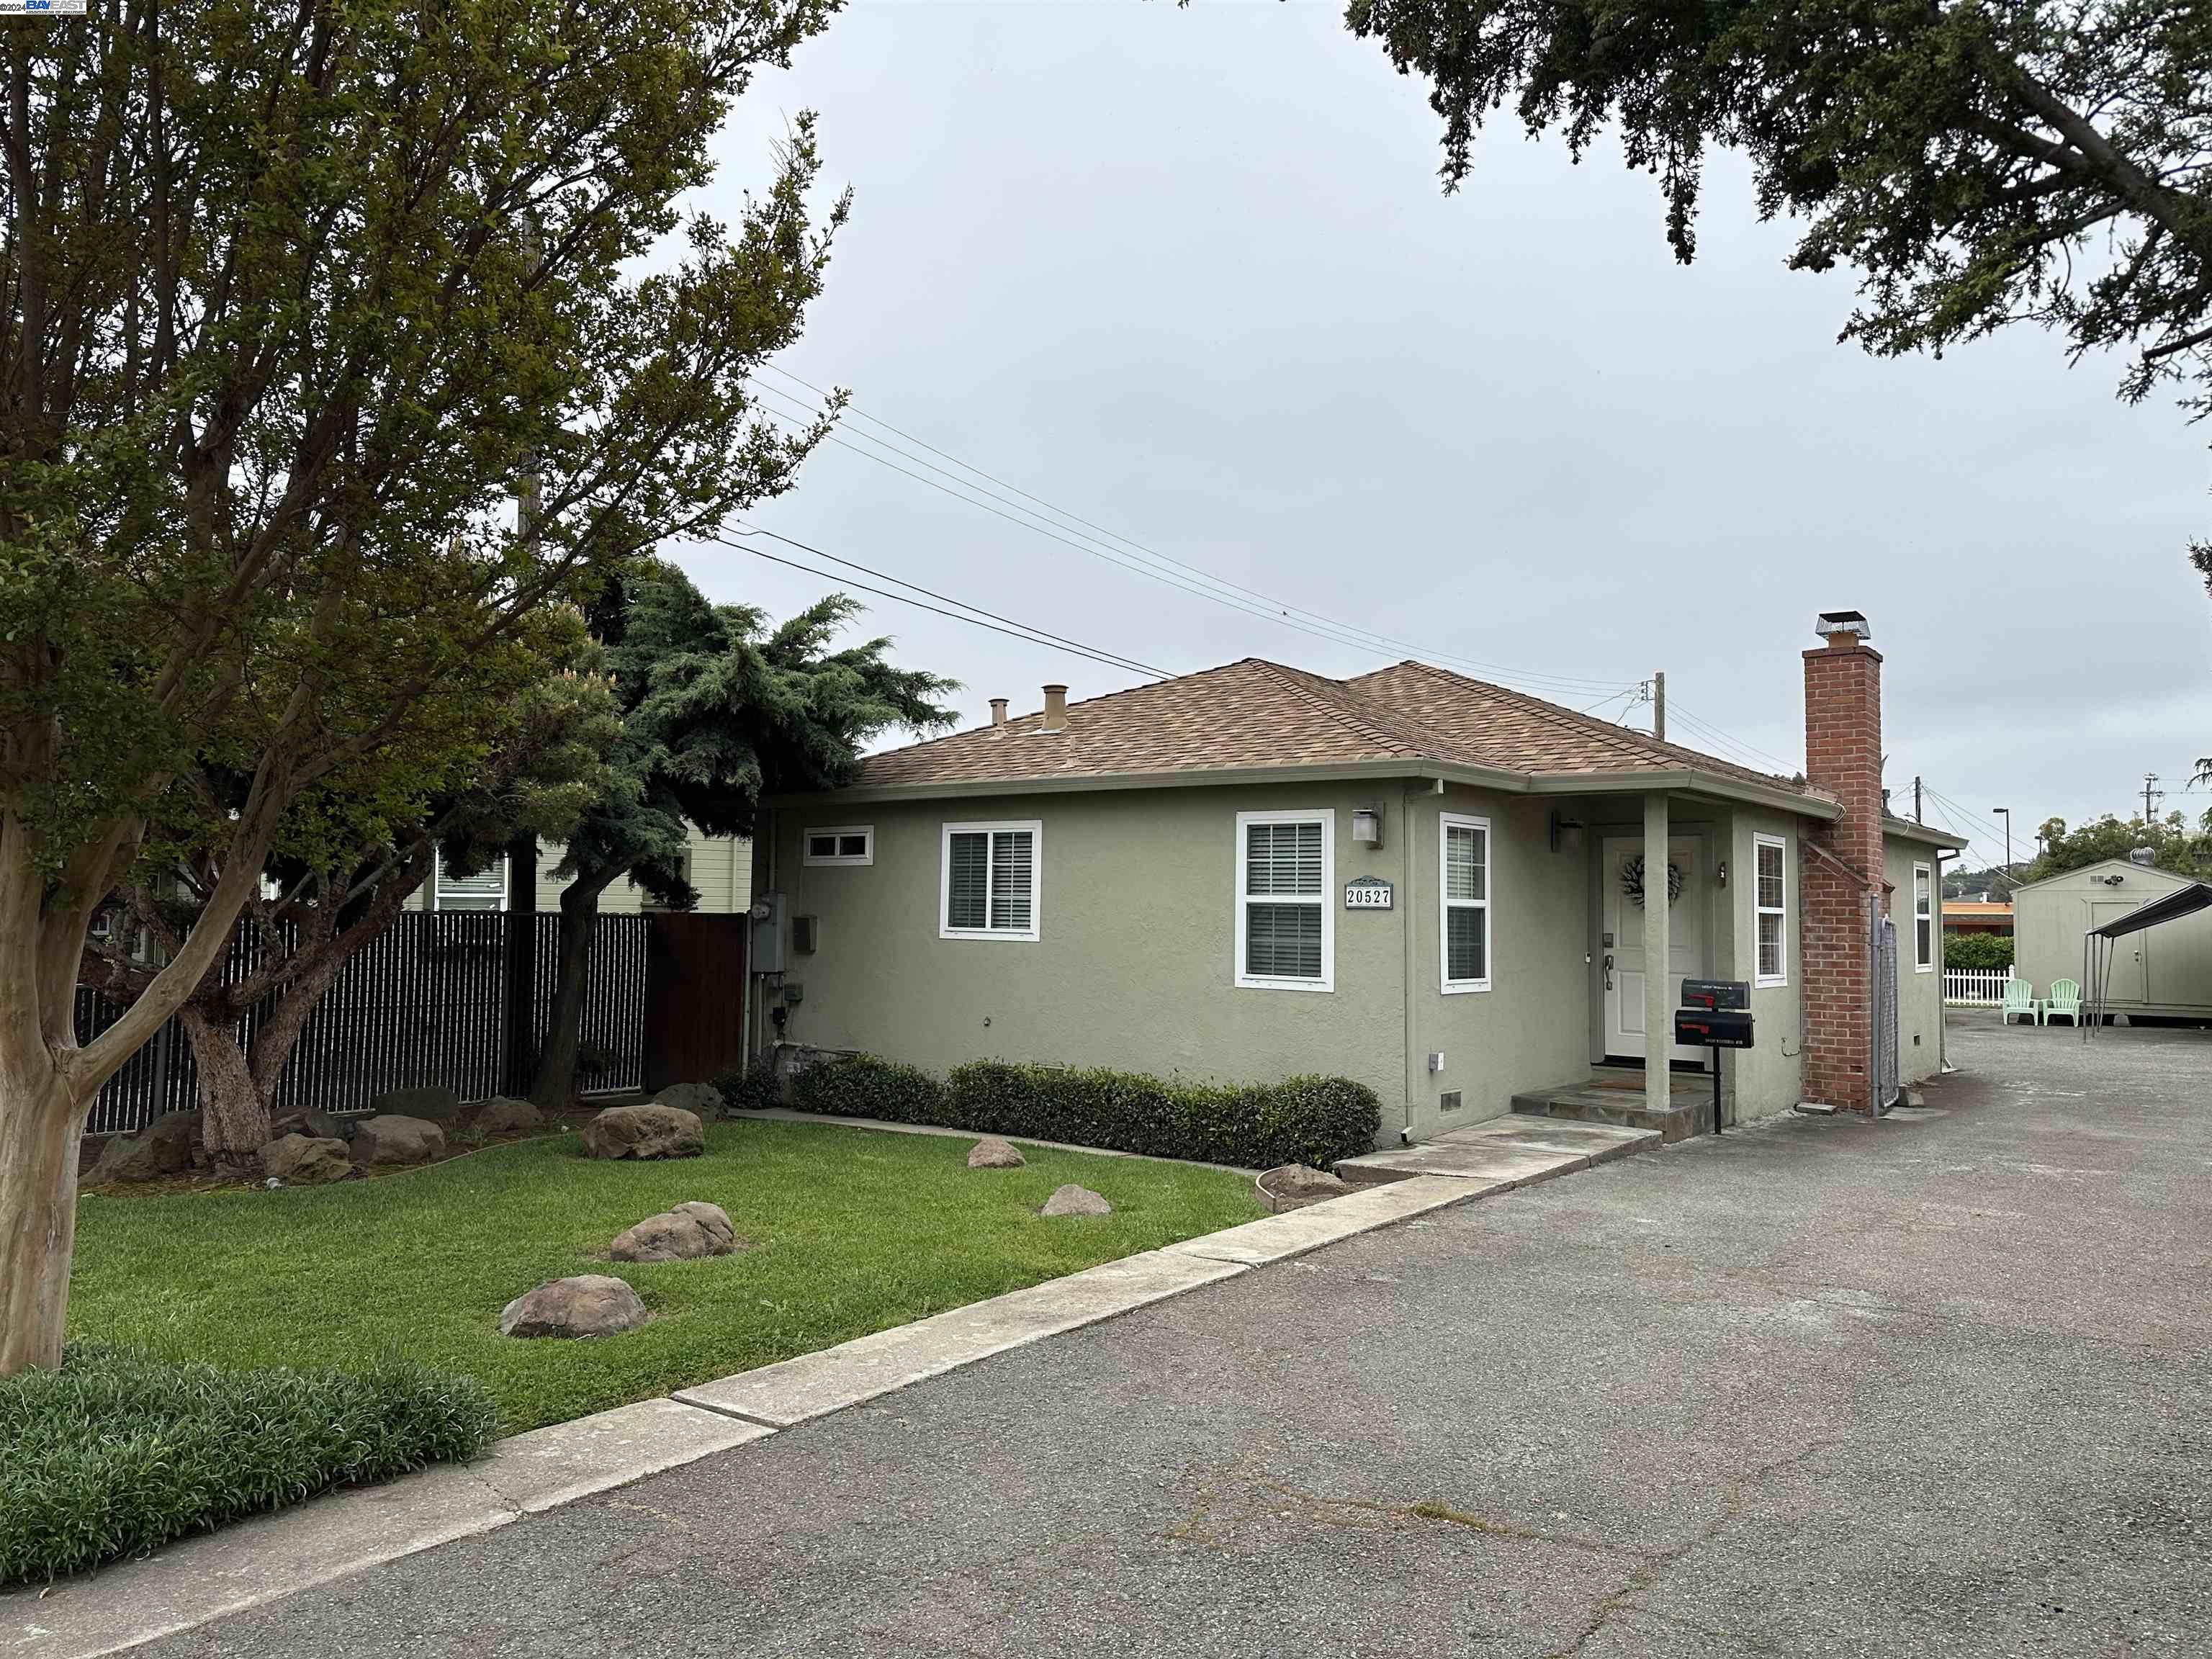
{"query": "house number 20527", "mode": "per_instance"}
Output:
(1368, 894)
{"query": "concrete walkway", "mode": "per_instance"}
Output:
(1504, 1153)
(1824, 1387)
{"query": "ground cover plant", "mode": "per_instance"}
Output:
(846, 1232)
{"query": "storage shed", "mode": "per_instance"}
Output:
(2162, 972)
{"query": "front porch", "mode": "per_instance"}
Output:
(1621, 1095)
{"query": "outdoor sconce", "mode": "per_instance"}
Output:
(1367, 826)
(1567, 835)
(1721, 875)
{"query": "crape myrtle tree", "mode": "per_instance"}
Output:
(1977, 163)
(294, 300)
(347, 857)
(718, 708)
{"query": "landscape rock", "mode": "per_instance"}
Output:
(689, 1231)
(434, 1102)
(1294, 1186)
(502, 1115)
(396, 1139)
(1072, 1200)
(993, 1154)
(165, 1147)
(703, 1100)
(298, 1160)
(291, 1123)
(648, 1131)
(589, 1304)
(328, 1126)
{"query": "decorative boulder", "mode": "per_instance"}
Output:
(1294, 1186)
(647, 1131)
(163, 1148)
(435, 1104)
(702, 1100)
(396, 1139)
(502, 1115)
(1072, 1200)
(685, 1233)
(328, 1126)
(298, 1160)
(993, 1154)
(590, 1305)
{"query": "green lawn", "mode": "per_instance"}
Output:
(850, 1231)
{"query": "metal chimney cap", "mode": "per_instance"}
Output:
(1833, 624)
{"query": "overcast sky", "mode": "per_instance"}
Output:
(1189, 274)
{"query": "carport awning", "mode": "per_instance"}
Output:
(2183, 901)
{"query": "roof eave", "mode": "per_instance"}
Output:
(1906, 829)
(1689, 780)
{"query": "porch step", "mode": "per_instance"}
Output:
(1610, 1097)
(1505, 1151)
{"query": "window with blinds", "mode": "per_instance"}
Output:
(1285, 866)
(1770, 902)
(990, 880)
(484, 890)
(1463, 898)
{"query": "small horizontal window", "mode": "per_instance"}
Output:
(850, 843)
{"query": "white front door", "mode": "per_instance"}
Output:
(1687, 957)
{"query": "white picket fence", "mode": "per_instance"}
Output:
(1975, 988)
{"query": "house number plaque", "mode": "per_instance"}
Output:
(1368, 893)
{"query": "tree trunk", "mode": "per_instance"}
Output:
(556, 1083)
(39, 1127)
(234, 1112)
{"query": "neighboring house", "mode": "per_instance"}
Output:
(1430, 884)
(1977, 916)
(2162, 973)
(718, 867)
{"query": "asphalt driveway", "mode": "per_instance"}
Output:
(1937, 1385)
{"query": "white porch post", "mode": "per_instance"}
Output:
(1658, 1000)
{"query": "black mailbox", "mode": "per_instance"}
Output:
(1712, 1028)
(1732, 994)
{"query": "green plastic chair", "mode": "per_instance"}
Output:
(2065, 999)
(2019, 999)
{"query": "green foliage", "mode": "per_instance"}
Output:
(1977, 950)
(1979, 164)
(754, 1088)
(1301, 1119)
(1973, 883)
(117, 1452)
(845, 1232)
(2175, 843)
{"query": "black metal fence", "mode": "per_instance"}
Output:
(424, 1003)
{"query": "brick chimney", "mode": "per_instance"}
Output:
(1842, 869)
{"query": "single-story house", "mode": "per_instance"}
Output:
(719, 868)
(1977, 916)
(2162, 973)
(1449, 890)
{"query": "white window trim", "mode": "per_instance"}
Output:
(1760, 979)
(946, 930)
(1919, 966)
(1325, 817)
(438, 886)
(807, 855)
(1446, 823)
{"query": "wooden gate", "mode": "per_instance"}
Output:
(694, 987)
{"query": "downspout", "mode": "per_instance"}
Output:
(1406, 998)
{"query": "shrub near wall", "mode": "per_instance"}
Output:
(1301, 1119)
(117, 1452)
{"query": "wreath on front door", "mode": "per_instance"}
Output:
(1631, 879)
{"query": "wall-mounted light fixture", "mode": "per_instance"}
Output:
(1567, 835)
(1367, 826)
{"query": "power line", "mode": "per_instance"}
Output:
(1028, 638)
(1716, 735)
(1143, 561)
(884, 575)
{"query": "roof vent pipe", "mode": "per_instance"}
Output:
(997, 711)
(1055, 708)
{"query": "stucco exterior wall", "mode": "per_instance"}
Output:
(1769, 1077)
(1522, 1032)
(1919, 990)
(1135, 964)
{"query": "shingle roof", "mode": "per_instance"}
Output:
(1258, 713)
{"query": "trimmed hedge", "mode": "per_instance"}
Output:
(1301, 1119)
(1977, 950)
(117, 1452)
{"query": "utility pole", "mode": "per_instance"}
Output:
(1659, 704)
(2005, 812)
(1916, 799)
(2150, 795)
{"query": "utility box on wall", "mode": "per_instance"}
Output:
(769, 931)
